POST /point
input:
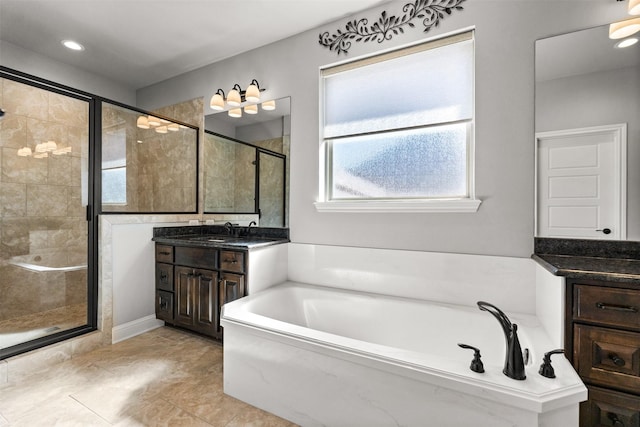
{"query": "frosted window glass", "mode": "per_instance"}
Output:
(114, 185)
(418, 163)
(432, 86)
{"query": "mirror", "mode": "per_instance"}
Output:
(147, 163)
(587, 99)
(246, 164)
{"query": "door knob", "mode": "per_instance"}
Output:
(605, 230)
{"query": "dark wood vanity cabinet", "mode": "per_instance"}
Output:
(603, 342)
(192, 284)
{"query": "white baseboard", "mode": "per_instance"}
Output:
(135, 327)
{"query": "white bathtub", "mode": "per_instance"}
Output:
(324, 356)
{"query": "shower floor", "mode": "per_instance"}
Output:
(26, 328)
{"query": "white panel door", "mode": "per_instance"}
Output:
(581, 183)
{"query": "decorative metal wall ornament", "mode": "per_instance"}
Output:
(431, 12)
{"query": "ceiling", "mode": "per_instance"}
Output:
(590, 50)
(141, 42)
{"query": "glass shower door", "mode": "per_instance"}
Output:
(44, 151)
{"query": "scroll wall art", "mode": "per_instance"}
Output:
(430, 11)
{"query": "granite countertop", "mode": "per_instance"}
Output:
(217, 237)
(590, 260)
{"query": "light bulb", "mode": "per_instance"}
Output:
(251, 109)
(622, 29)
(143, 122)
(233, 98)
(269, 105)
(253, 93)
(217, 102)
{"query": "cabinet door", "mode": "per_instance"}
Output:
(164, 276)
(231, 287)
(206, 302)
(184, 296)
(164, 306)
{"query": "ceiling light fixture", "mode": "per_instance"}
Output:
(73, 45)
(235, 97)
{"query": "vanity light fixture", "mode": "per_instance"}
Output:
(154, 121)
(162, 129)
(173, 127)
(634, 7)
(269, 105)
(235, 112)
(236, 96)
(622, 29)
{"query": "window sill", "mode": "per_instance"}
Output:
(398, 206)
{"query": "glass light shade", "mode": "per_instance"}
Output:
(236, 112)
(251, 109)
(51, 146)
(23, 152)
(143, 122)
(154, 121)
(217, 102)
(233, 98)
(634, 7)
(626, 42)
(41, 148)
(252, 94)
(173, 127)
(41, 156)
(269, 105)
(161, 129)
(622, 29)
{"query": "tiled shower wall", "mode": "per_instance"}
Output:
(41, 199)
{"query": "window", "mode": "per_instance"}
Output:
(397, 130)
(114, 166)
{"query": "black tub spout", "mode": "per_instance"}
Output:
(513, 360)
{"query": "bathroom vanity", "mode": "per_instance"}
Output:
(602, 323)
(199, 269)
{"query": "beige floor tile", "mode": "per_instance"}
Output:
(165, 377)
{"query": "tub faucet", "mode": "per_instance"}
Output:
(513, 360)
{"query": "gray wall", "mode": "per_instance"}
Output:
(505, 35)
(596, 99)
(29, 62)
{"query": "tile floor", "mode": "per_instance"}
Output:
(165, 377)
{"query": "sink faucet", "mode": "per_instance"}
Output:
(229, 227)
(247, 229)
(513, 360)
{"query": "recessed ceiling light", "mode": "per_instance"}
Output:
(627, 42)
(70, 44)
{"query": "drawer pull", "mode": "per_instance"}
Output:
(617, 360)
(616, 307)
(230, 261)
(164, 253)
(615, 421)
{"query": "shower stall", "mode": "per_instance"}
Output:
(45, 227)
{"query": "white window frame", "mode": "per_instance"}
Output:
(466, 204)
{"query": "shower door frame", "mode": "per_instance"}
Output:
(92, 210)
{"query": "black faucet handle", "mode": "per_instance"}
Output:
(546, 370)
(476, 363)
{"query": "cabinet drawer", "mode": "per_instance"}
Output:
(196, 257)
(608, 306)
(232, 261)
(164, 253)
(608, 357)
(609, 408)
(164, 276)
